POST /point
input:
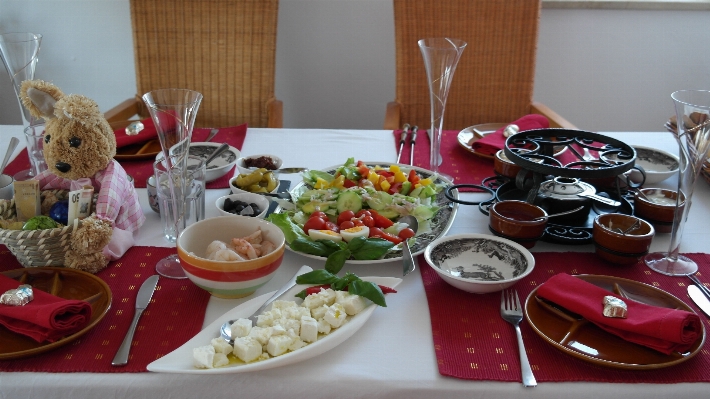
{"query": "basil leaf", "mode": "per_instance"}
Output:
(336, 260)
(369, 290)
(319, 276)
(372, 248)
(356, 243)
(301, 294)
(334, 246)
(308, 246)
(344, 281)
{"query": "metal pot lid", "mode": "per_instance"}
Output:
(566, 188)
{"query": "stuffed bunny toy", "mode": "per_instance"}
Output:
(79, 146)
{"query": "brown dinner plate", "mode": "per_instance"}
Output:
(64, 283)
(582, 339)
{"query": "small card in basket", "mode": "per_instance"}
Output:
(80, 203)
(27, 199)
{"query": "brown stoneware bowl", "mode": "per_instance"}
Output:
(518, 221)
(658, 209)
(503, 166)
(614, 246)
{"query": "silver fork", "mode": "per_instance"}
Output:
(512, 312)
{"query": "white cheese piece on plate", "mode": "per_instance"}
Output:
(278, 344)
(221, 346)
(203, 357)
(220, 359)
(309, 329)
(247, 349)
(241, 328)
(353, 304)
(335, 316)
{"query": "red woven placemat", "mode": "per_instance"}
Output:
(473, 342)
(174, 315)
(462, 165)
(141, 170)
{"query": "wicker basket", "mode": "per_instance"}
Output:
(36, 248)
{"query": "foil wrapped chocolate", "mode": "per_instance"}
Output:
(19, 296)
(134, 128)
(614, 307)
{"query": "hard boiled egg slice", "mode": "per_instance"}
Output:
(357, 231)
(324, 235)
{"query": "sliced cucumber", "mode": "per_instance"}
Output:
(349, 201)
(313, 206)
(388, 213)
(379, 200)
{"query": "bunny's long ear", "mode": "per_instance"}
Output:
(39, 97)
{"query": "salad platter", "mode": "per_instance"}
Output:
(434, 212)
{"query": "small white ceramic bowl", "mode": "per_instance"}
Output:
(6, 186)
(259, 200)
(658, 164)
(237, 190)
(241, 168)
(220, 166)
(479, 263)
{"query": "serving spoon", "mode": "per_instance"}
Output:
(579, 208)
(407, 258)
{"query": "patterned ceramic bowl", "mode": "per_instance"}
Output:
(479, 263)
(220, 166)
(658, 165)
(229, 278)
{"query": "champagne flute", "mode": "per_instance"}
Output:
(173, 112)
(441, 56)
(692, 133)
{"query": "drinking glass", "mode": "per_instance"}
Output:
(692, 108)
(19, 51)
(441, 55)
(173, 112)
(192, 188)
(34, 135)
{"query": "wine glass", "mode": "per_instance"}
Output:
(173, 112)
(441, 56)
(19, 52)
(692, 133)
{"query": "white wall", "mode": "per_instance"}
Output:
(603, 70)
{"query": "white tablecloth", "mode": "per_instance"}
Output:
(392, 356)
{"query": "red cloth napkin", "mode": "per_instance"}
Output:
(148, 133)
(494, 142)
(46, 317)
(665, 330)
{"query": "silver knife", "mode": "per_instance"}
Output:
(145, 293)
(699, 299)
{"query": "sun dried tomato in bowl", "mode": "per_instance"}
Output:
(260, 162)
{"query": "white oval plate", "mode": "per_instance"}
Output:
(180, 360)
(440, 223)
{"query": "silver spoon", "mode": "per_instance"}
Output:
(559, 213)
(285, 170)
(10, 149)
(407, 258)
(216, 153)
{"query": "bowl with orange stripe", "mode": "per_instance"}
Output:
(220, 275)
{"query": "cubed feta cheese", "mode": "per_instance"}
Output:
(319, 312)
(295, 313)
(221, 346)
(290, 324)
(278, 329)
(309, 329)
(296, 344)
(324, 327)
(220, 359)
(313, 301)
(335, 316)
(328, 296)
(241, 328)
(261, 334)
(266, 319)
(247, 349)
(353, 304)
(278, 344)
(283, 305)
(203, 357)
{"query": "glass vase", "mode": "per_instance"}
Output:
(441, 56)
(692, 108)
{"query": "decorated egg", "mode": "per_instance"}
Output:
(60, 211)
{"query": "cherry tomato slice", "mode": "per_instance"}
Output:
(406, 233)
(314, 223)
(381, 221)
(346, 225)
(362, 213)
(345, 216)
(319, 215)
(368, 221)
(332, 227)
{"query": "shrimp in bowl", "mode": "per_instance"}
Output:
(231, 256)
